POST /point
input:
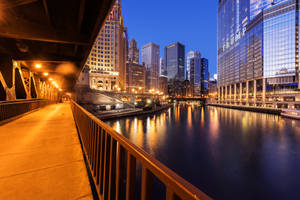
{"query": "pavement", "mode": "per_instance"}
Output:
(41, 157)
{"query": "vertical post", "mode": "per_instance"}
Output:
(247, 92)
(264, 92)
(120, 172)
(235, 93)
(146, 184)
(254, 91)
(130, 182)
(241, 92)
(226, 97)
(219, 94)
(230, 93)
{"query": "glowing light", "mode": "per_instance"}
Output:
(38, 66)
(50, 79)
(46, 73)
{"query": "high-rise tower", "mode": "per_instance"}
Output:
(133, 53)
(174, 61)
(258, 52)
(150, 57)
(107, 60)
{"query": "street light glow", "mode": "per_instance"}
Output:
(38, 66)
(46, 73)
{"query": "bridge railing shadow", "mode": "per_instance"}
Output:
(11, 109)
(113, 160)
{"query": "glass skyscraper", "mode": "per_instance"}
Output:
(150, 58)
(193, 71)
(258, 52)
(174, 61)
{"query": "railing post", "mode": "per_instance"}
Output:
(112, 169)
(146, 184)
(130, 182)
(120, 172)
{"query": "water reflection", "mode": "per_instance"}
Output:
(229, 154)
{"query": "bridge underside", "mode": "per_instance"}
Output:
(56, 34)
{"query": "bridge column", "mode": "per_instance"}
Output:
(247, 92)
(226, 93)
(254, 91)
(219, 94)
(264, 92)
(230, 93)
(241, 92)
(6, 78)
(234, 98)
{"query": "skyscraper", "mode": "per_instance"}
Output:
(193, 70)
(162, 68)
(133, 53)
(107, 60)
(150, 57)
(175, 61)
(204, 77)
(258, 52)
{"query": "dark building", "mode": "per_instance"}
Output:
(204, 78)
(178, 88)
(174, 61)
(136, 78)
(133, 52)
(193, 71)
(163, 84)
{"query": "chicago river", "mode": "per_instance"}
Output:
(228, 154)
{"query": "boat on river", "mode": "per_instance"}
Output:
(291, 113)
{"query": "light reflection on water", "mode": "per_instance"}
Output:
(229, 154)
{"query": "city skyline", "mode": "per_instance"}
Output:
(201, 38)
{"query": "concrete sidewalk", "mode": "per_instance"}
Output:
(41, 157)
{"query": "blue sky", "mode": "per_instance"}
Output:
(191, 22)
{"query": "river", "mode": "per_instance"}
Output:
(228, 154)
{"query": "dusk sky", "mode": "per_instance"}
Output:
(191, 22)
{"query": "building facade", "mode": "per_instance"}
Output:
(133, 52)
(204, 77)
(136, 78)
(107, 59)
(150, 58)
(163, 84)
(258, 53)
(175, 61)
(162, 68)
(193, 71)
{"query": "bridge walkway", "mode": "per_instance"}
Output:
(41, 157)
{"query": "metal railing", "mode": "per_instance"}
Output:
(10, 109)
(113, 159)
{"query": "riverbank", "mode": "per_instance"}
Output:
(275, 111)
(133, 113)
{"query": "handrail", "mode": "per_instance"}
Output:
(106, 149)
(11, 109)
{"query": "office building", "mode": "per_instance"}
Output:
(150, 58)
(175, 61)
(136, 78)
(107, 59)
(204, 77)
(193, 71)
(162, 68)
(133, 52)
(163, 84)
(258, 53)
